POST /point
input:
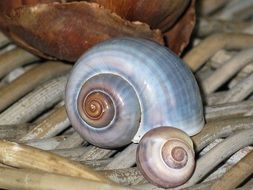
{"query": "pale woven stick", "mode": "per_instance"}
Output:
(239, 92)
(22, 156)
(13, 59)
(234, 8)
(127, 176)
(208, 26)
(242, 74)
(221, 57)
(13, 132)
(33, 179)
(209, 6)
(236, 175)
(73, 140)
(220, 152)
(208, 47)
(235, 158)
(42, 98)
(211, 99)
(124, 159)
(233, 109)
(207, 185)
(96, 153)
(220, 76)
(97, 164)
(72, 153)
(220, 128)
(3, 40)
(52, 125)
(30, 80)
(201, 186)
(46, 144)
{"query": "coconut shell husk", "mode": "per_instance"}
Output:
(67, 30)
(56, 29)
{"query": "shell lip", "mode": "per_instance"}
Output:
(191, 131)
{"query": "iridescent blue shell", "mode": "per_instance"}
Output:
(153, 88)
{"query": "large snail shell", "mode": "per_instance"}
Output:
(165, 157)
(147, 85)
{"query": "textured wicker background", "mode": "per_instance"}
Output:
(33, 113)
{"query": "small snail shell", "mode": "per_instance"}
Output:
(122, 88)
(165, 156)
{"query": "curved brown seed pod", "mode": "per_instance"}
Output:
(8, 5)
(178, 37)
(160, 14)
(175, 18)
(60, 30)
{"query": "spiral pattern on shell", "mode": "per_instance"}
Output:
(146, 85)
(108, 96)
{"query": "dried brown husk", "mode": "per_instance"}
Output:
(175, 18)
(160, 14)
(65, 30)
(8, 5)
(178, 37)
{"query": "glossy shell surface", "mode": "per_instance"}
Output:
(166, 89)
